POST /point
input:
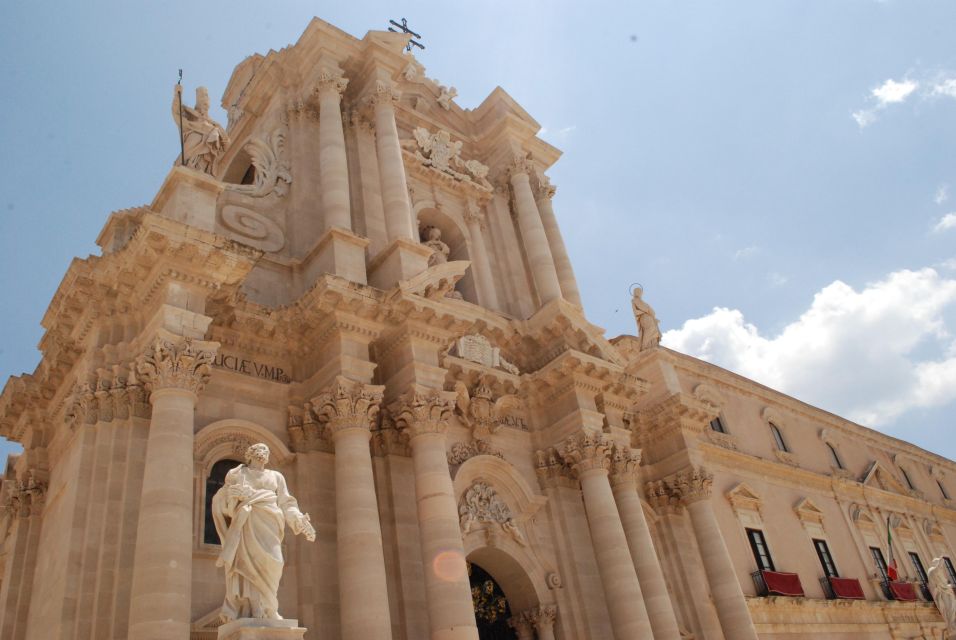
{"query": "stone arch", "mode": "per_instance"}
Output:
(427, 214)
(510, 485)
(230, 438)
(514, 578)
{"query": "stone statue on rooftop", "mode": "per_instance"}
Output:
(204, 140)
(440, 250)
(251, 511)
(942, 590)
(647, 323)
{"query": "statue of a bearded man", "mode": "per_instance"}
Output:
(251, 511)
(204, 140)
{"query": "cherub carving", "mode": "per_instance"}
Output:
(431, 238)
(479, 410)
(439, 147)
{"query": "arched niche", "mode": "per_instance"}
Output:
(230, 438)
(455, 236)
(240, 169)
(510, 485)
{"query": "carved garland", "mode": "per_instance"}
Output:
(481, 504)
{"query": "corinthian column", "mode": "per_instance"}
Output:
(660, 610)
(391, 167)
(562, 263)
(533, 234)
(588, 453)
(694, 488)
(542, 619)
(348, 408)
(424, 414)
(479, 256)
(333, 166)
(175, 370)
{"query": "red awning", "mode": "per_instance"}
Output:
(903, 591)
(783, 584)
(847, 588)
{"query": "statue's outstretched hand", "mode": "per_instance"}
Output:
(306, 527)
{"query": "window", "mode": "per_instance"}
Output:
(718, 425)
(249, 177)
(950, 569)
(217, 477)
(834, 458)
(761, 552)
(942, 489)
(880, 563)
(826, 560)
(918, 565)
(906, 477)
(778, 438)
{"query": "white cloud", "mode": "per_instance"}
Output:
(949, 263)
(865, 117)
(777, 279)
(746, 252)
(944, 87)
(945, 223)
(893, 92)
(942, 194)
(870, 355)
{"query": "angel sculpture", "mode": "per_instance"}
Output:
(479, 411)
(272, 173)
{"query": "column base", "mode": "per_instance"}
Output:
(342, 253)
(401, 260)
(259, 629)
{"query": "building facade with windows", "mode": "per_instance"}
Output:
(371, 280)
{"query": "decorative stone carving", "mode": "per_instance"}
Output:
(694, 485)
(384, 93)
(445, 96)
(542, 616)
(647, 323)
(252, 227)
(551, 468)
(477, 348)
(180, 363)
(809, 514)
(544, 188)
(348, 405)
(438, 151)
(625, 462)
(553, 580)
(587, 451)
(423, 410)
(479, 410)
(305, 432)
(204, 140)
(943, 594)
(112, 396)
(742, 498)
(272, 173)
(482, 504)
(461, 452)
(331, 80)
(709, 396)
(251, 511)
(431, 238)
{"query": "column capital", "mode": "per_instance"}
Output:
(383, 93)
(662, 497)
(347, 404)
(541, 617)
(625, 462)
(521, 166)
(175, 362)
(474, 215)
(521, 625)
(331, 80)
(587, 451)
(423, 410)
(693, 485)
(544, 189)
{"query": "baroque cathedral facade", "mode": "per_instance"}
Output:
(370, 279)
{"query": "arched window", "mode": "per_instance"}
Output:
(778, 438)
(906, 477)
(834, 457)
(217, 477)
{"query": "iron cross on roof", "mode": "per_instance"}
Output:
(404, 27)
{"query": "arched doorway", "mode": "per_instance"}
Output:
(492, 610)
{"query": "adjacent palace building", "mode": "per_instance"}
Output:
(370, 279)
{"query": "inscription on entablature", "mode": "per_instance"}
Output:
(251, 367)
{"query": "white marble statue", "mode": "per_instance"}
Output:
(204, 140)
(646, 321)
(440, 250)
(251, 511)
(942, 590)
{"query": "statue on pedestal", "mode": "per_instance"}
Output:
(647, 323)
(942, 590)
(440, 250)
(204, 140)
(251, 511)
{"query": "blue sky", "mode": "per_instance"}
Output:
(780, 176)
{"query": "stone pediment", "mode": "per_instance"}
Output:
(808, 512)
(743, 497)
(882, 478)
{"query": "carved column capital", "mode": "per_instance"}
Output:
(331, 80)
(541, 617)
(347, 404)
(693, 485)
(551, 469)
(174, 362)
(521, 165)
(423, 410)
(474, 214)
(625, 462)
(544, 188)
(384, 93)
(586, 452)
(662, 497)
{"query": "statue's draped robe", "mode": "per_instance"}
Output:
(251, 530)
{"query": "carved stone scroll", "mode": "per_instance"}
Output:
(481, 504)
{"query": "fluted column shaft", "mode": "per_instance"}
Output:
(161, 603)
(562, 263)
(479, 257)
(391, 167)
(535, 239)
(333, 164)
(660, 609)
(725, 588)
(348, 409)
(451, 614)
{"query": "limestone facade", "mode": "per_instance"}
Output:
(436, 401)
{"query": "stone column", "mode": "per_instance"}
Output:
(533, 234)
(424, 413)
(522, 626)
(660, 610)
(348, 409)
(562, 263)
(333, 165)
(542, 619)
(479, 256)
(694, 488)
(391, 167)
(175, 370)
(588, 453)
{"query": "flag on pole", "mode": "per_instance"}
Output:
(892, 570)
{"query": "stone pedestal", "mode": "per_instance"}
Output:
(257, 629)
(341, 252)
(401, 260)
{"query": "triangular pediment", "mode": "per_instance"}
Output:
(880, 477)
(807, 511)
(743, 496)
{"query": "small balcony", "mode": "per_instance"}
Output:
(777, 583)
(899, 590)
(842, 588)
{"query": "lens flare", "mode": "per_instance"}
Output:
(449, 566)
